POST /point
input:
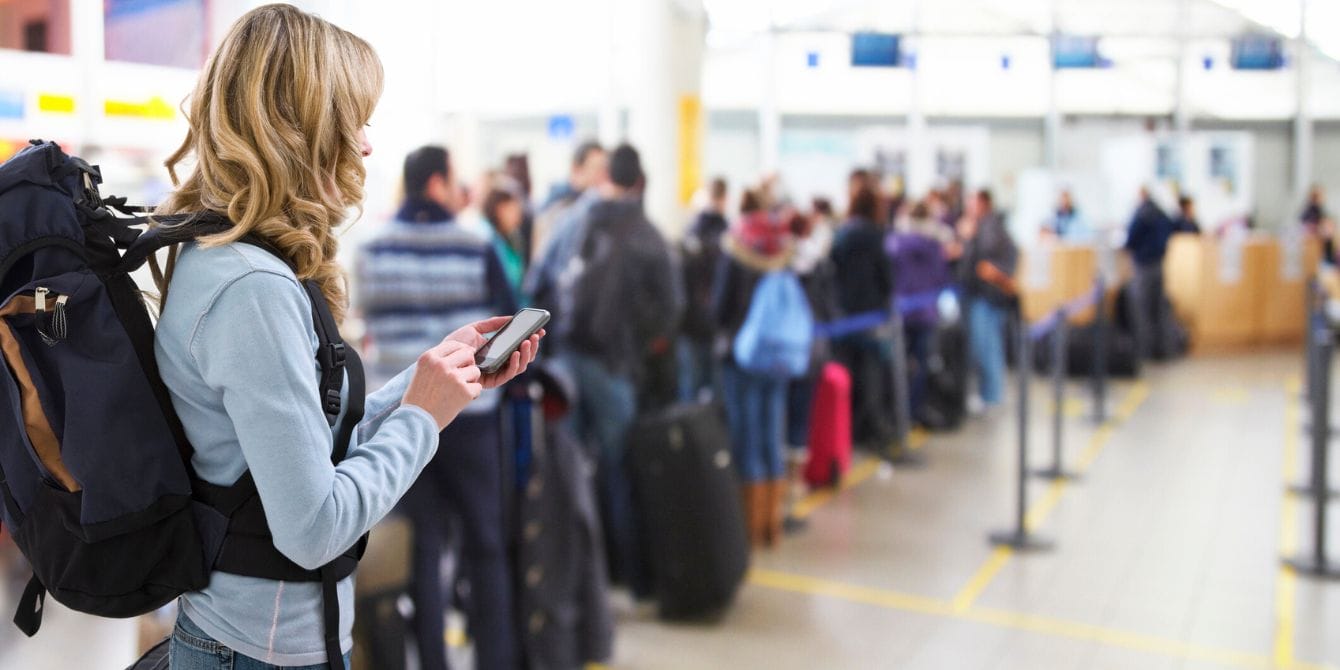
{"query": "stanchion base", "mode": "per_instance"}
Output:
(794, 524)
(1021, 541)
(906, 458)
(1055, 474)
(1309, 567)
(1305, 491)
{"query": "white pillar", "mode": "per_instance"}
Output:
(87, 47)
(609, 125)
(1302, 124)
(667, 39)
(1051, 127)
(769, 113)
(1181, 110)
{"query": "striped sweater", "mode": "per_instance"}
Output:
(422, 277)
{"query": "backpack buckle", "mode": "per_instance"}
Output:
(332, 356)
(333, 402)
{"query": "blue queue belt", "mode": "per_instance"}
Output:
(866, 321)
(1049, 323)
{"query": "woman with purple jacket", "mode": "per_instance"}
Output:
(917, 249)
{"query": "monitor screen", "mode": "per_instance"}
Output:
(875, 50)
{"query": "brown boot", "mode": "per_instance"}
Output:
(772, 516)
(754, 499)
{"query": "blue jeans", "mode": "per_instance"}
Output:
(756, 411)
(698, 370)
(986, 330)
(192, 649)
(605, 408)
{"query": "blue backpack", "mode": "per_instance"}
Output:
(778, 333)
(96, 483)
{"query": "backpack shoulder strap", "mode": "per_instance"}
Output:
(170, 230)
(336, 360)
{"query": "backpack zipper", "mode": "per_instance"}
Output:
(58, 326)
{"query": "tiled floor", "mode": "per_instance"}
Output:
(1167, 553)
(1167, 550)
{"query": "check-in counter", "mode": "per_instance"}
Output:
(1233, 294)
(1053, 275)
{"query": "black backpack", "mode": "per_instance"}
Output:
(95, 473)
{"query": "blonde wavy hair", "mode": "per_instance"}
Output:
(274, 124)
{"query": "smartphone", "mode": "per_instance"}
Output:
(494, 354)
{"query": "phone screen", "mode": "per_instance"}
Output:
(496, 351)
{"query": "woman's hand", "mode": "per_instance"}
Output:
(517, 364)
(473, 335)
(446, 379)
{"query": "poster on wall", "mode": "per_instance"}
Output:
(1224, 167)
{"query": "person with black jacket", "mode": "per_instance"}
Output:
(624, 306)
(700, 254)
(865, 284)
(1147, 243)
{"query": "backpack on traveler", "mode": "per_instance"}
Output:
(778, 332)
(96, 483)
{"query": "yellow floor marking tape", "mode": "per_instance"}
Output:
(968, 594)
(905, 602)
(1042, 508)
(1286, 583)
(1232, 395)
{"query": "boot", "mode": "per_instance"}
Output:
(753, 495)
(772, 514)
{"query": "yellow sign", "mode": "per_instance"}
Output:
(690, 146)
(55, 104)
(154, 108)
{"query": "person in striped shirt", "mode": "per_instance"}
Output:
(421, 277)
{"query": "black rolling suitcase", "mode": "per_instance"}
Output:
(1123, 356)
(946, 402)
(688, 509)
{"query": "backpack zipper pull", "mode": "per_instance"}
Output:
(57, 330)
(59, 325)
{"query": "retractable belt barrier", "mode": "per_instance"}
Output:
(1318, 355)
(1056, 324)
(899, 452)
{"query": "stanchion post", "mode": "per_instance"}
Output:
(1316, 330)
(1317, 565)
(902, 403)
(1019, 538)
(1100, 344)
(1058, 370)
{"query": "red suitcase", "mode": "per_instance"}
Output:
(830, 428)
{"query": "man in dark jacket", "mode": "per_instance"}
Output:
(700, 253)
(1147, 243)
(624, 307)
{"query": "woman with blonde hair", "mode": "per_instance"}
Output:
(277, 144)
